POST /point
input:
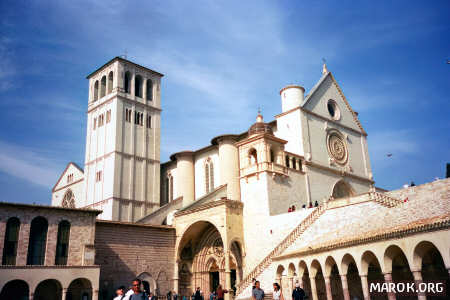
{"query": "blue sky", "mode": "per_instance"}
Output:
(223, 59)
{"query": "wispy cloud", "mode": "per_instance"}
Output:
(28, 164)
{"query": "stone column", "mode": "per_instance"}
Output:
(300, 281)
(365, 287)
(175, 278)
(64, 294)
(95, 295)
(31, 296)
(328, 288)
(229, 165)
(291, 285)
(388, 279)
(345, 287)
(227, 296)
(418, 279)
(313, 288)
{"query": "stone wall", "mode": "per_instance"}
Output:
(125, 251)
(82, 230)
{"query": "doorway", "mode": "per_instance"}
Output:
(213, 280)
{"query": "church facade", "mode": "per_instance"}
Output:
(292, 199)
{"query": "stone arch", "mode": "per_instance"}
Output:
(80, 288)
(252, 156)
(110, 81)
(198, 243)
(279, 273)
(162, 283)
(304, 279)
(103, 87)
(95, 92)
(49, 289)
(127, 82)
(318, 279)
(342, 189)
(37, 241)
(396, 262)
(11, 241)
(138, 86)
(349, 269)
(291, 270)
(238, 256)
(148, 282)
(332, 274)
(15, 289)
(428, 259)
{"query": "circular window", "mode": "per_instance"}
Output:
(337, 148)
(333, 109)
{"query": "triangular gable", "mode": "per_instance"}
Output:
(312, 100)
(70, 168)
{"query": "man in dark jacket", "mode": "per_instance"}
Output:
(298, 293)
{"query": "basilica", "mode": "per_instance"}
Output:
(292, 199)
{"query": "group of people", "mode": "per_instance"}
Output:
(135, 292)
(310, 205)
(258, 294)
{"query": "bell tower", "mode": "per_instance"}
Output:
(122, 161)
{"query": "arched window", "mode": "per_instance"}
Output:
(342, 190)
(11, 240)
(69, 199)
(96, 91)
(37, 242)
(138, 86)
(110, 82)
(170, 188)
(253, 156)
(103, 87)
(287, 161)
(62, 245)
(127, 82)
(272, 156)
(149, 89)
(209, 176)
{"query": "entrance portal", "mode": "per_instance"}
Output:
(213, 280)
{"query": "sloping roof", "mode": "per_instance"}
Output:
(316, 87)
(62, 174)
(33, 206)
(365, 219)
(123, 60)
(216, 193)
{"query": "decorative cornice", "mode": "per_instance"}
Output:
(337, 172)
(147, 204)
(67, 185)
(332, 121)
(62, 174)
(355, 117)
(260, 136)
(98, 159)
(226, 202)
(49, 267)
(419, 226)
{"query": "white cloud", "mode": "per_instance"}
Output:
(27, 164)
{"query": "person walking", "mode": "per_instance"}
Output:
(220, 292)
(169, 295)
(298, 293)
(212, 295)
(277, 294)
(257, 293)
(198, 294)
(137, 293)
(120, 293)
